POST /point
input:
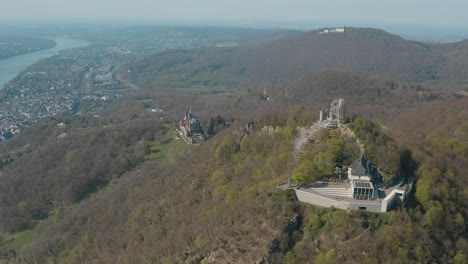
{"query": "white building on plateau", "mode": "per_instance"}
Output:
(361, 174)
(362, 170)
(359, 191)
(333, 30)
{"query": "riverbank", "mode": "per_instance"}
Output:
(11, 46)
(12, 66)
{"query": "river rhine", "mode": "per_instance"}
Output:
(12, 66)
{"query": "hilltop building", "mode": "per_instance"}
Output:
(191, 129)
(362, 190)
(363, 175)
(362, 170)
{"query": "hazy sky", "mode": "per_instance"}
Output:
(417, 12)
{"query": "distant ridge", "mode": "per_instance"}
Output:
(358, 50)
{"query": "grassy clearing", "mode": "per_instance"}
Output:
(21, 240)
(168, 149)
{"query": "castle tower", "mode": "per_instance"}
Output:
(337, 110)
(341, 110)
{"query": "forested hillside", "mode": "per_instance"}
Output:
(123, 187)
(50, 167)
(220, 202)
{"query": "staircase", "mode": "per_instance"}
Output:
(332, 191)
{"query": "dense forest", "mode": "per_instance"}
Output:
(122, 187)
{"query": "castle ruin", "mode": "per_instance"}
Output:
(335, 116)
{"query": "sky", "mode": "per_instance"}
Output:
(446, 13)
